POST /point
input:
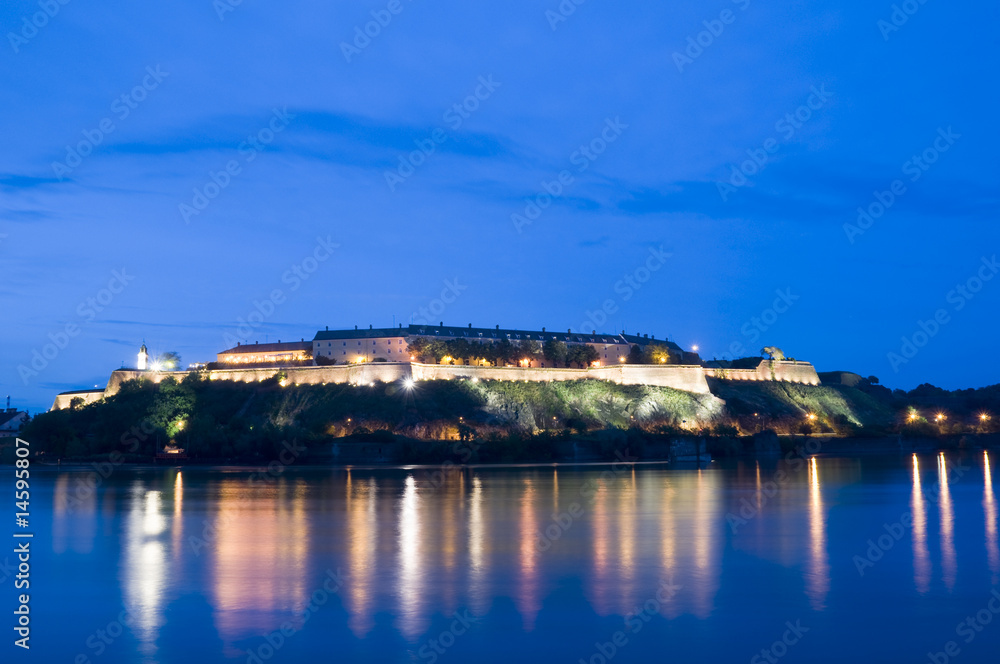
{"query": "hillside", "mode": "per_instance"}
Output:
(221, 419)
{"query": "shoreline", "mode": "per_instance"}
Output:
(793, 447)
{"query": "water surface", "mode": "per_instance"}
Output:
(820, 560)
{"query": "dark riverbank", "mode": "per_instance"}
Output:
(461, 421)
(614, 447)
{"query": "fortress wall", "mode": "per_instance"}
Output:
(783, 370)
(680, 377)
(736, 374)
(795, 372)
(689, 378)
(62, 400)
(344, 373)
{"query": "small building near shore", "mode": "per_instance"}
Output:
(12, 421)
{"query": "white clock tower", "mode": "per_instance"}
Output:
(143, 357)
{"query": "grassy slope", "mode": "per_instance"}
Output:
(792, 401)
(223, 418)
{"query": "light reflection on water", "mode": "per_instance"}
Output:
(990, 507)
(947, 516)
(414, 546)
(921, 556)
(819, 571)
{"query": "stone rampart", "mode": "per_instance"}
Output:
(789, 371)
(689, 378)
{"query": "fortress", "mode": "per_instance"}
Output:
(421, 352)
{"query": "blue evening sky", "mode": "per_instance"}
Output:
(614, 107)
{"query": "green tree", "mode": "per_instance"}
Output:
(657, 354)
(581, 355)
(438, 350)
(169, 361)
(489, 353)
(529, 349)
(460, 349)
(506, 352)
(172, 406)
(418, 348)
(555, 352)
(635, 355)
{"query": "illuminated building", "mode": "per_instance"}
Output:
(391, 344)
(277, 353)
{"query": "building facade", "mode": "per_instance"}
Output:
(390, 344)
(276, 353)
(12, 421)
